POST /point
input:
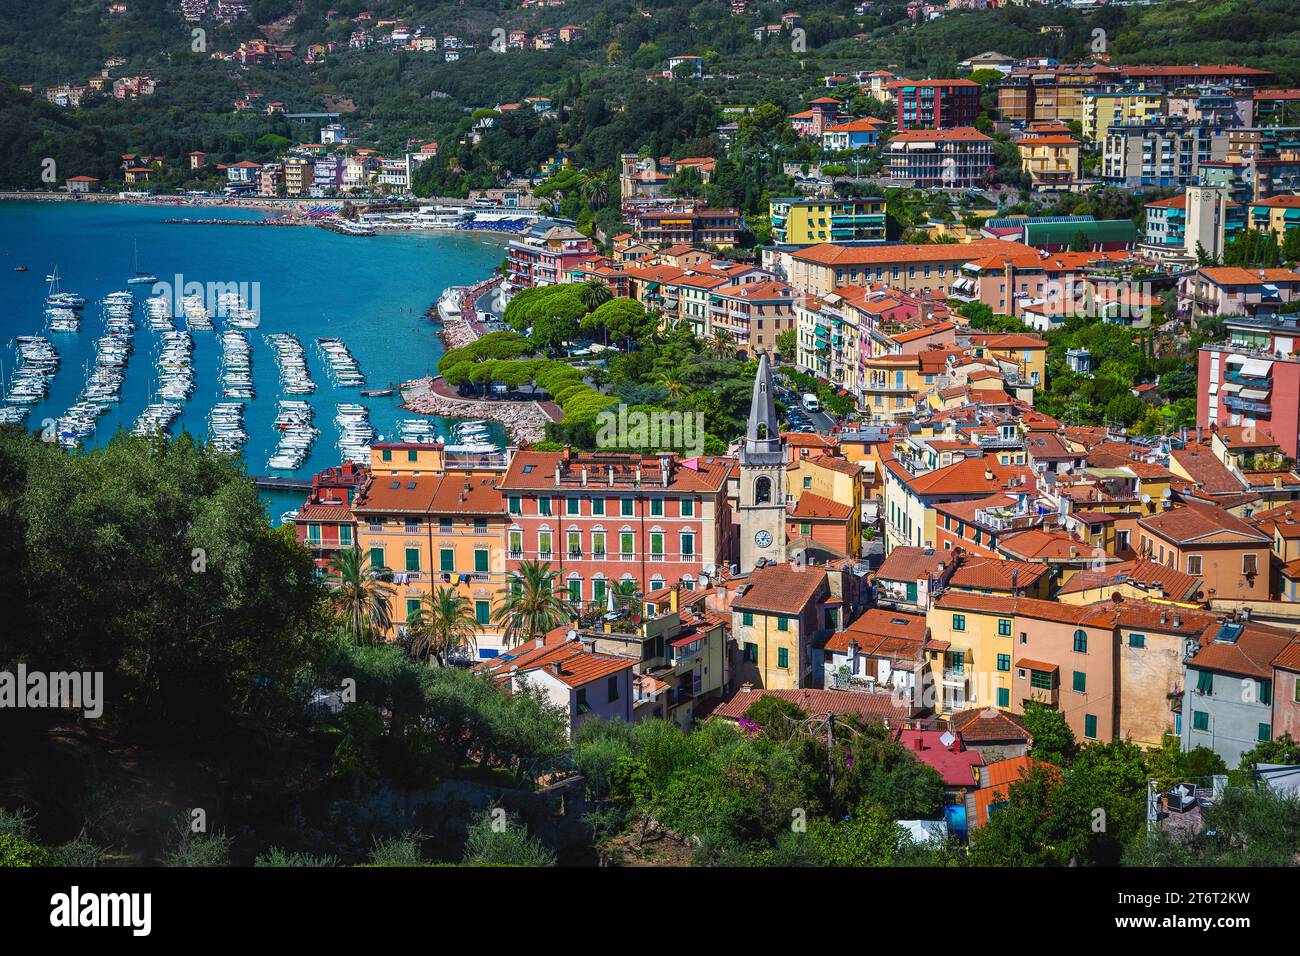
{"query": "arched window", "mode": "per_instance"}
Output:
(1081, 642)
(762, 490)
(762, 431)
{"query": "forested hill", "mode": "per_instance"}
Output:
(392, 98)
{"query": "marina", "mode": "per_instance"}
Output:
(291, 359)
(38, 361)
(226, 428)
(175, 366)
(236, 366)
(355, 433)
(344, 370)
(198, 318)
(297, 434)
(376, 309)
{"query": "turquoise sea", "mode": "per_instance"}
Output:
(370, 291)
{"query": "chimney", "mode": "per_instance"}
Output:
(746, 687)
(988, 474)
(1178, 619)
(556, 669)
(584, 476)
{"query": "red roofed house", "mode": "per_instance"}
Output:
(1230, 555)
(583, 683)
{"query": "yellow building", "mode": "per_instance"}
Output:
(434, 520)
(801, 221)
(891, 385)
(1102, 109)
(1276, 214)
(777, 614)
(833, 478)
(1051, 162)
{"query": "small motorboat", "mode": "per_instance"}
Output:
(20, 268)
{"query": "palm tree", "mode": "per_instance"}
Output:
(594, 294)
(595, 189)
(529, 607)
(360, 597)
(442, 624)
(671, 384)
(723, 343)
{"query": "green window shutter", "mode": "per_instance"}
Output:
(1265, 732)
(626, 506)
(783, 657)
(598, 590)
(782, 623)
(627, 541)
(1090, 726)
(911, 592)
(516, 504)
(447, 559)
(747, 618)
(575, 590)
(1137, 640)
(598, 506)
(1004, 627)
(657, 507)
(657, 544)
(483, 612)
(481, 560)
(1200, 720)
(959, 622)
(412, 559)
(1080, 682)
(1204, 682)
(412, 607)
(377, 557)
(1004, 662)
(1004, 697)
(688, 507)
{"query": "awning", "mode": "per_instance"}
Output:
(1258, 368)
(1254, 394)
(1027, 664)
(1230, 387)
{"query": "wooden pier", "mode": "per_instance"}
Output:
(279, 483)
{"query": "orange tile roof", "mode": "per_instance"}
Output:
(819, 703)
(1230, 275)
(955, 134)
(1143, 574)
(780, 589)
(832, 255)
(815, 506)
(1250, 655)
(1191, 522)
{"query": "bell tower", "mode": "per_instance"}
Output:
(762, 477)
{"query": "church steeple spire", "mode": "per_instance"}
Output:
(762, 436)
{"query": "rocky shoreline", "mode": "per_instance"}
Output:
(523, 421)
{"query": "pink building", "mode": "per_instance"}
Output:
(1252, 378)
(606, 518)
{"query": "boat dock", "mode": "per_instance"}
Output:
(277, 483)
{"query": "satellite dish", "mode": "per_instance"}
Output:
(947, 739)
(1167, 493)
(1146, 499)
